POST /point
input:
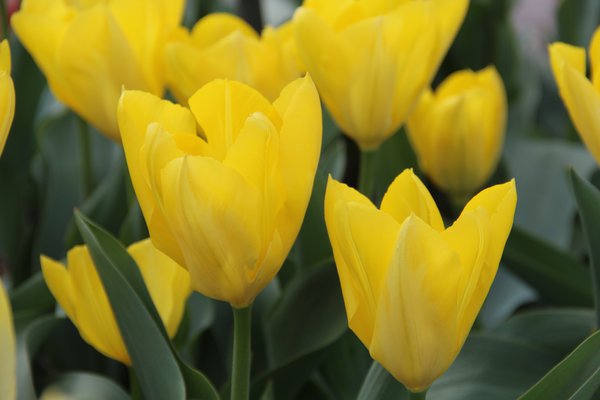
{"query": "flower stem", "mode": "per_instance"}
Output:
(417, 395)
(86, 156)
(365, 177)
(240, 371)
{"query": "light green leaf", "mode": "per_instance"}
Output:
(83, 385)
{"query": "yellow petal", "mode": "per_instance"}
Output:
(415, 326)
(407, 195)
(216, 26)
(583, 102)
(7, 94)
(167, 282)
(221, 108)
(8, 360)
(136, 111)
(362, 239)
(300, 146)
(562, 55)
(595, 58)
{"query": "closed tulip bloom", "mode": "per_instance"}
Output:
(226, 202)
(413, 290)
(224, 46)
(79, 291)
(371, 60)
(89, 50)
(457, 131)
(8, 360)
(580, 95)
(7, 94)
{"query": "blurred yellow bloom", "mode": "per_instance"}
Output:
(458, 131)
(412, 291)
(79, 291)
(90, 49)
(7, 94)
(227, 202)
(580, 96)
(224, 46)
(8, 360)
(372, 59)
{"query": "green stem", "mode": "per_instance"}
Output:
(86, 156)
(134, 386)
(417, 396)
(365, 177)
(4, 16)
(240, 371)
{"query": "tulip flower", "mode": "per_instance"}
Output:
(224, 46)
(580, 95)
(413, 290)
(90, 50)
(226, 202)
(7, 94)
(371, 60)
(79, 290)
(457, 132)
(8, 360)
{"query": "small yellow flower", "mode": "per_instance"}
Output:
(226, 202)
(79, 291)
(90, 49)
(224, 46)
(371, 60)
(580, 95)
(7, 94)
(458, 131)
(8, 360)
(413, 289)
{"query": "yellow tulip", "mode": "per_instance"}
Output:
(7, 94)
(458, 131)
(371, 60)
(227, 202)
(580, 96)
(90, 49)
(224, 46)
(79, 291)
(8, 360)
(413, 289)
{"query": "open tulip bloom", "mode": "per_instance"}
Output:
(413, 290)
(372, 59)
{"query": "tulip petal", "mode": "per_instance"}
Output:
(407, 195)
(221, 108)
(562, 55)
(168, 283)
(300, 143)
(59, 283)
(7, 94)
(416, 322)
(362, 264)
(8, 362)
(594, 52)
(214, 27)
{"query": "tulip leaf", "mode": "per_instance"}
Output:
(160, 372)
(588, 201)
(32, 297)
(77, 385)
(379, 384)
(558, 277)
(577, 377)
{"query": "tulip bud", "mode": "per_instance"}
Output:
(224, 46)
(580, 95)
(371, 60)
(8, 360)
(412, 291)
(458, 131)
(79, 291)
(7, 94)
(90, 50)
(226, 202)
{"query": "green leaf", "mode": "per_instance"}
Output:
(32, 298)
(558, 277)
(380, 385)
(83, 385)
(154, 363)
(588, 201)
(577, 377)
(160, 372)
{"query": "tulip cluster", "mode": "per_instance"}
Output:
(224, 178)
